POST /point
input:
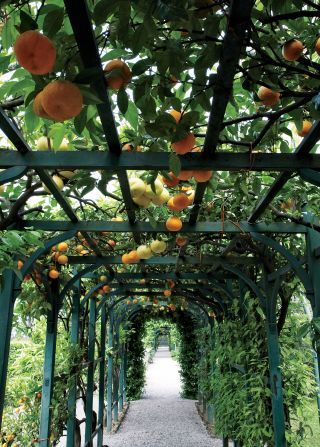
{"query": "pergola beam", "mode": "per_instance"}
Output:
(165, 260)
(218, 227)
(233, 42)
(100, 160)
(302, 150)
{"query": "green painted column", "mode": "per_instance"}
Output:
(90, 372)
(72, 399)
(125, 361)
(121, 382)
(110, 373)
(278, 416)
(6, 316)
(48, 375)
(116, 385)
(102, 374)
(313, 256)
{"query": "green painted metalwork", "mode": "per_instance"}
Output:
(219, 227)
(310, 175)
(72, 399)
(12, 174)
(90, 373)
(100, 160)
(48, 374)
(116, 385)
(293, 261)
(102, 368)
(304, 148)
(6, 316)
(110, 371)
(271, 290)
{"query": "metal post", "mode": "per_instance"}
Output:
(48, 375)
(6, 316)
(225, 442)
(313, 247)
(110, 372)
(121, 381)
(102, 374)
(274, 365)
(125, 361)
(116, 388)
(72, 399)
(90, 373)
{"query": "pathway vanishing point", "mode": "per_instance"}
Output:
(162, 418)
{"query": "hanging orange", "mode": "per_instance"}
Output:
(62, 100)
(35, 52)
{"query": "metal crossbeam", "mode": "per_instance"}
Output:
(165, 260)
(80, 21)
(100, 160)
(14, 135)
(237, 27)
(303, 149)
(218, 227)
(179, 276)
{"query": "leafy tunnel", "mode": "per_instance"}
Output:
(159, 162)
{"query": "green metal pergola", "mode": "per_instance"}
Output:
(216, 277)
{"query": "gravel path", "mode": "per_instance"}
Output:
(162, 418)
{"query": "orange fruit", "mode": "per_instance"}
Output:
(120, 79)
(53, 274)
(317, 46)
(267, 96)
(181, 241)
(180, 201)
(37, 106)
(133, 256)
(202, 176)
(172, 182)
(63, 246)
(62, 259)
(106, 288)
(306, 126)
(176, 115)
(171, 206)
(19, 264)
(62, 100)
(185, 175)
(174, 223)
(184, 146)
(111, 243)
(127, 147)
(292, 50)
(35, 52)
(167, 292)
(125, 258)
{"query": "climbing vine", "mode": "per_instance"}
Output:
(239, 386)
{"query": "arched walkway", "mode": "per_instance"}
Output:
(162, 418)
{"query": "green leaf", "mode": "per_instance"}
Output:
(4, 62)
(174, 163)
(53, 22)
(57, 132)
(89, 97)
(122, 100)
(140, 67)
(103, 9)
(9, 32)
(131, 115)
(26, 22)
(80, 121)
(31, 119)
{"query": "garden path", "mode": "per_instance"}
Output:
(162, 418)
